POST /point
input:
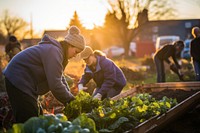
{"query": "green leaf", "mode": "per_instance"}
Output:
(61, 117)
(113, 115)
(85, 122)
(18, 128)
(32, 124)
(117, 123)
(168, 105)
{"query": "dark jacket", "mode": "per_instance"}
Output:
(195, 49)
(10, 47)
(38, 70)
(166, 52)
(106, 76)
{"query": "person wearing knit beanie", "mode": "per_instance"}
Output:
(38, 70)
(75, 38)
(108, 77)
(86, 52)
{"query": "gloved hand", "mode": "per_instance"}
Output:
(81, 87)
(177, 71)
(97, 96)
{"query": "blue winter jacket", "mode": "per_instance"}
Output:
(38, 70)
(107, 75)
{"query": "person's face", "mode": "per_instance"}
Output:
(179, 48)
(90, 60)
(73, 51)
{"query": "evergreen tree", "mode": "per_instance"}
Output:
(76, 21)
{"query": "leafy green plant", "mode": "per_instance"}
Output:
(84, 103)
(55, 124)
(114, 116)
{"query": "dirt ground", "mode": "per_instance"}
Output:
(186, 123)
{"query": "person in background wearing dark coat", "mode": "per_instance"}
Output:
(39, 69)
(13, 47)
(108, 77)
(163, 54)
(195, 51)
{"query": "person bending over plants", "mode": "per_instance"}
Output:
(38, 70)
(163, 54)
(108, 77)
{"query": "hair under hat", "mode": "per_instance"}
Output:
(179, 43)
(75, 38)
(86, 52)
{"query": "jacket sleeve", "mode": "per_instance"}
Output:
(109, 71)
(64, 82)
(167, 48)
(191, 49)
(52, 63)
(175, 61)
(86, 77)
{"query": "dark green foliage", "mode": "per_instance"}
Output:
(52, 124)
(123, 114)
(93, 116)
(84, 103)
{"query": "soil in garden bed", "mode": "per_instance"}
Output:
(178, 94)
(188, 122)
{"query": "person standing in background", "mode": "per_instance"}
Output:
(13, 47)
(195, 51)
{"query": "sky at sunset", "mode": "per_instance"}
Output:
(56, 14)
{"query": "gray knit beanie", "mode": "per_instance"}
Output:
(75, 38)
(86, 52)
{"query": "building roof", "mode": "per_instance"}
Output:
(32, 41)
(56, 33)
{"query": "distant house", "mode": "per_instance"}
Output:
(53, 33)
(56, 33)
(60, 34)
(181, 28)
(29, 42)
(150, 31)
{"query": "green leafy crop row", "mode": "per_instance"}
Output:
(119, 115)
(88, 115)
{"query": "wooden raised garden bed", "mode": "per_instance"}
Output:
(186, 93)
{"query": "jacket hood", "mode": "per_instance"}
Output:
(49, 40)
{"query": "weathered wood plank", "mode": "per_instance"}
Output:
(154, 87)
(130, 92)
(158, 122)
(172, 85)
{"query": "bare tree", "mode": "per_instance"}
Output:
(122, 10)
(159, 10)
(13, 25)
(133, 14)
